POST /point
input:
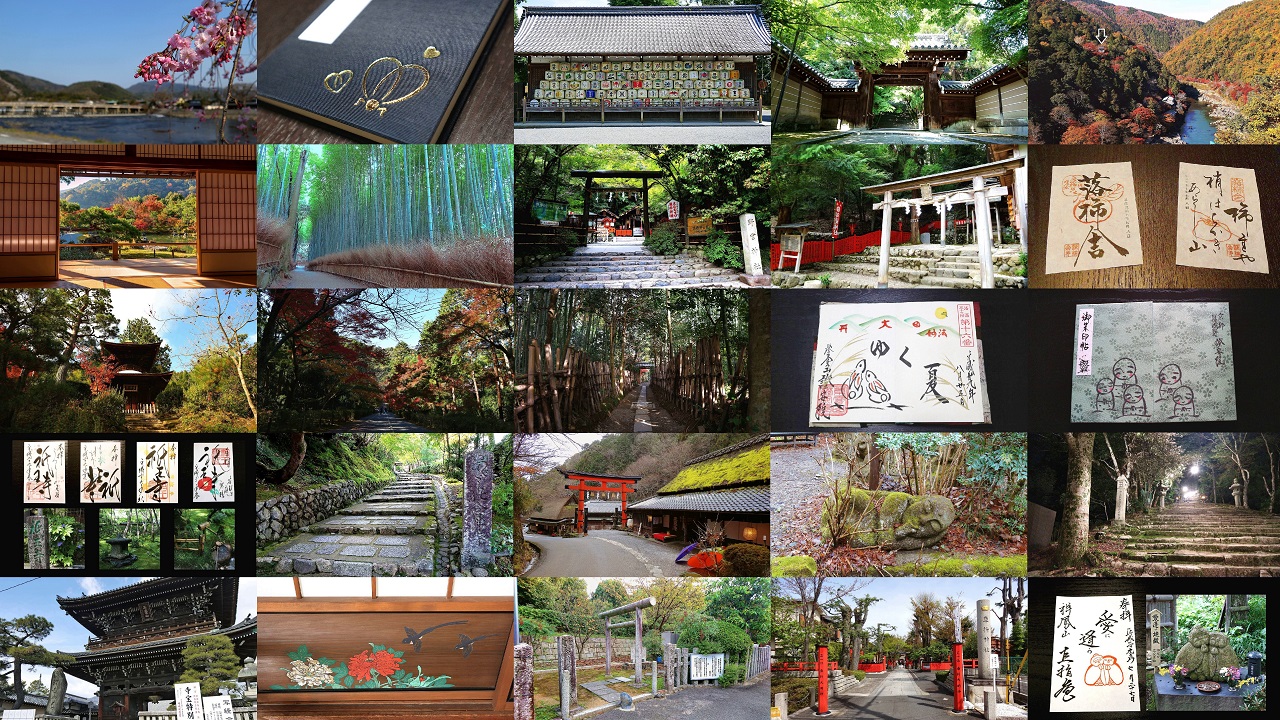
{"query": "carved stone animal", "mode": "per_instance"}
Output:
(1205, 653)
(893, 520)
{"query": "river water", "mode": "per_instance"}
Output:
(1197, 129)
(133, 129)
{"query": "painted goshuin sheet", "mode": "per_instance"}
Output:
(100, 463)
(897, 362)
(214, 475)
(157, 472)
(44, 472)
(1093, 220)
(1153, 362)
(1094, 655)
(1220, 219)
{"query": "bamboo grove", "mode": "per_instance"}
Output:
(357, 196)
(579, 352)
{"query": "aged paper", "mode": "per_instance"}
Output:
(100, 463)
(897, 363)
(44, 472)
(157, 472)
(1094, 655)
(1153, 362)
(214, 473)
(1220, 219)
(1093, 218)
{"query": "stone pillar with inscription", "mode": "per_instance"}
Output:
(566, 654)
(984, 639)
(1155, 639)
(524, 682)
(57, 692)
(477, 510)
(671, 658)
(38, 541)
(754, 273)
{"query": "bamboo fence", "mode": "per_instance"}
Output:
(562, 385)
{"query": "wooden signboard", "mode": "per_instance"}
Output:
(698, 226)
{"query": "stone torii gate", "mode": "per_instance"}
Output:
(608, 484)
(980, 194)
(637, 622)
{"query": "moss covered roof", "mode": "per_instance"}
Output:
(747, 467)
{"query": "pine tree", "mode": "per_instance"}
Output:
(210, 660)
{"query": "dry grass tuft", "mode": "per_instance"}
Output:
(275, 248)
(469, 263)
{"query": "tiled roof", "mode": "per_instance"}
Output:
(602, 507)
(738, 500)
(710, 30)
(782, 55)
(992, 76)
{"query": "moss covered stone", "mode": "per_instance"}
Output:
(795, 566)
(745, 468)
(1205, 653)
(894, 520)
(961, 567)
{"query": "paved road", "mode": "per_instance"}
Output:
(604, 553)
(702, 703)
(741, 133)
(381, 422)
(899, 694)
(300, 278)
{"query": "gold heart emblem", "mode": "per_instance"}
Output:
(335, 81)
(386, 84)
(431, 52)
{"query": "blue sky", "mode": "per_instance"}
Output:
(1186, 9)
(27, 596)
(428, 307)
(165, 310)
(66, 41)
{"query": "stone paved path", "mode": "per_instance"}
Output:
(636, 412)
(392, 531)
(1202, 539)
(899, 694)
(621, 265)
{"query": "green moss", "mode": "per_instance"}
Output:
(795, 566)
(744, 468)
(980, 566)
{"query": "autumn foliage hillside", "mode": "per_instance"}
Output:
(1237, 45)
(1156, 31)
(1086, 92)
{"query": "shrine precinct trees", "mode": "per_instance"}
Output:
(20, 643)
(1075, 512)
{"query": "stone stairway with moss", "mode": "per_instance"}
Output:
(914, 266)
(393, 531)
(1202, 539)
(625, 266)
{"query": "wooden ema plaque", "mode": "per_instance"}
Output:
(457, 651)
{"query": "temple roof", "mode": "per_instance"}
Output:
(83, 608)
(702, 30)
(133, 356)
(168, 646)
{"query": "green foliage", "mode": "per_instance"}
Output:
(170, 399)
(1206, 611)
(746, 560)
(942, 675)
(797, 690)
(210, 660)
(857, 674)
(140, 525)
(722, 250)
(338, 457)
(216, 525)
(713, 636)
(743, 602)
(825, 279)
(981, 566)
(732, 675)
(795, 566)
(663, 240)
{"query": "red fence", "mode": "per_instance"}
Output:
(871, 667)
(824, 250)
(972, 664)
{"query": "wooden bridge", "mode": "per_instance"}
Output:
(33, 108)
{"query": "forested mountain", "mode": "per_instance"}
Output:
(1237, 45)
(16, 86)
(106, 191)
(1085, 92)
(1155, 31)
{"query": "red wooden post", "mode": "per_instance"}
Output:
(822, 681)
(957, 675)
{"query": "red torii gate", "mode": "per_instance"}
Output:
(612, 484)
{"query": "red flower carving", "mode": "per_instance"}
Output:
(205, 484)
(381, 662)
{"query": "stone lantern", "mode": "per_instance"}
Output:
(248, 677)
(1237, 489)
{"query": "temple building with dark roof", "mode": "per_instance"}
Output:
(140, 630)
(134, 377)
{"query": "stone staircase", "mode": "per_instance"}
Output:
(391, 532)
(911, 266)
(625, 266)
(1202, 539)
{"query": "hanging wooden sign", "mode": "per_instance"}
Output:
(698, 226)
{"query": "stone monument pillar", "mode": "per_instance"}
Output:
(38, 541)
(984, 639)
(566, 655)
(754, 273)
(477, 510)
(1154, 637)
(1122, 499)
(524, 682)
(57, 692)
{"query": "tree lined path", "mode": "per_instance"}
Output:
(1203, 539)
(603, 553)
(638, 412)
(301, 278)
(899, 694)
(395, 526)
(381, 421)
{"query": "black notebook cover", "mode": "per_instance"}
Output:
(368, 81)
